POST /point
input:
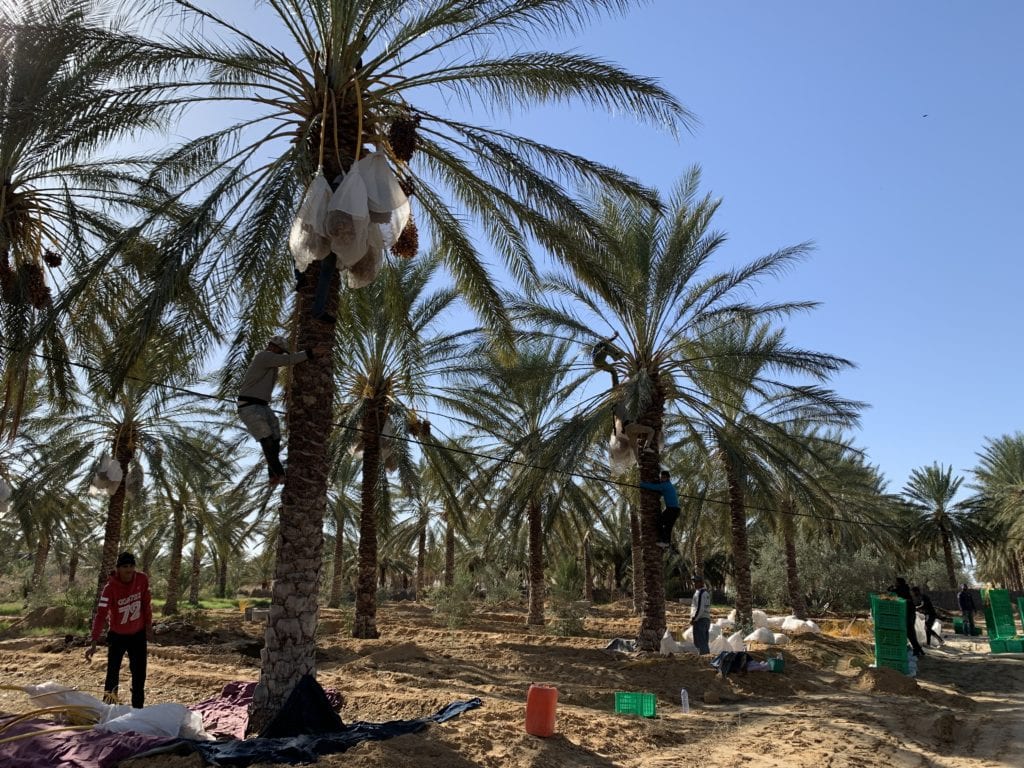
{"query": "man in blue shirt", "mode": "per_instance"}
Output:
(669, 515)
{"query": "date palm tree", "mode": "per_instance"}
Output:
(335, 78)
(69, 107)
(999, 503)
(940, 521)
(748, 406)
(393, 332)
(656, 291)
(521, 409)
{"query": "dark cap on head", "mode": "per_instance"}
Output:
(698, 577)
(125, 558)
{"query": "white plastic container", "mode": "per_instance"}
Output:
(684, 701)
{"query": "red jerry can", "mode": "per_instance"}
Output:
(540, 710)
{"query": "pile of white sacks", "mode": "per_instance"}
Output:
(768, 630)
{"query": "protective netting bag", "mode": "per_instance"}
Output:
(308, 240)
(383, 192)
(348, 219)
(392, 230)
(365, 271)
(107, 476)
(620, 455)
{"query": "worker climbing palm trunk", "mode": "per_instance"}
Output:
(254, 397)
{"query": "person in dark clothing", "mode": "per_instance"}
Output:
(670, 513)
(126, 602)
(923, 604)
(603, 350)
(902, 589)
(966, 603)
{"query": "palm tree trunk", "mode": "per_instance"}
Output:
(652, 618)
(39, 562)
(535, 521)
(740, 550)
(796, 590)
(338, 570)
(72, 566)
(588, 570)
(638, 561)
(124, 452)
(421, 559)
(174, 566)
(449, 549)
(947, 553)
(290, 644)
(698, 553)
(222, 577)
(364, 624)
(197, 562)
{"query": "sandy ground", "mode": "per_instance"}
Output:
(826, 709)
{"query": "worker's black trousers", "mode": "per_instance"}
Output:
(666, 522)
(135, 646)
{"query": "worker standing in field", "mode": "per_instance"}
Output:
(126, 601)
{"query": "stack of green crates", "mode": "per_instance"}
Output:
(999, 622)
(889, 615)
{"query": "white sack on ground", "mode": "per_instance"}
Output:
(761, 635)
(719, 645)
(668, 644)
(774, 623)
(760, 618)
(781, 639)
(167, 719)
(736, 642)
(794, 626)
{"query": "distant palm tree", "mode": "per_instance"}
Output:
(654, 289)
(520, 407)
(394, 332)
(999, 504)
(941, 522)
(749, 417)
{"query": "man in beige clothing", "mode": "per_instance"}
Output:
(254, 397)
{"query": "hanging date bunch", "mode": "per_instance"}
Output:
(403, 136)
(8, 281)
(33, 282)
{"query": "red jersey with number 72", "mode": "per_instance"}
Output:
(129, 606)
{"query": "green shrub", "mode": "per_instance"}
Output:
(454, 604)
(566, 592)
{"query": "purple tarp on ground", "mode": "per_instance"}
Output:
(70, 749)
(226, 715)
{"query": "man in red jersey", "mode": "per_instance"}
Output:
(125, 599)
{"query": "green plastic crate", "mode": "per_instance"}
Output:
(996, 645)
(627, 703)
(1014, 645)
(900, 665)
(888, 613)
(883, 653)
(891, 638)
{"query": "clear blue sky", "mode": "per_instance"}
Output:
(890, 134)
(813, 126)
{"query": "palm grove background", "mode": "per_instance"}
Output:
(454, 445)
